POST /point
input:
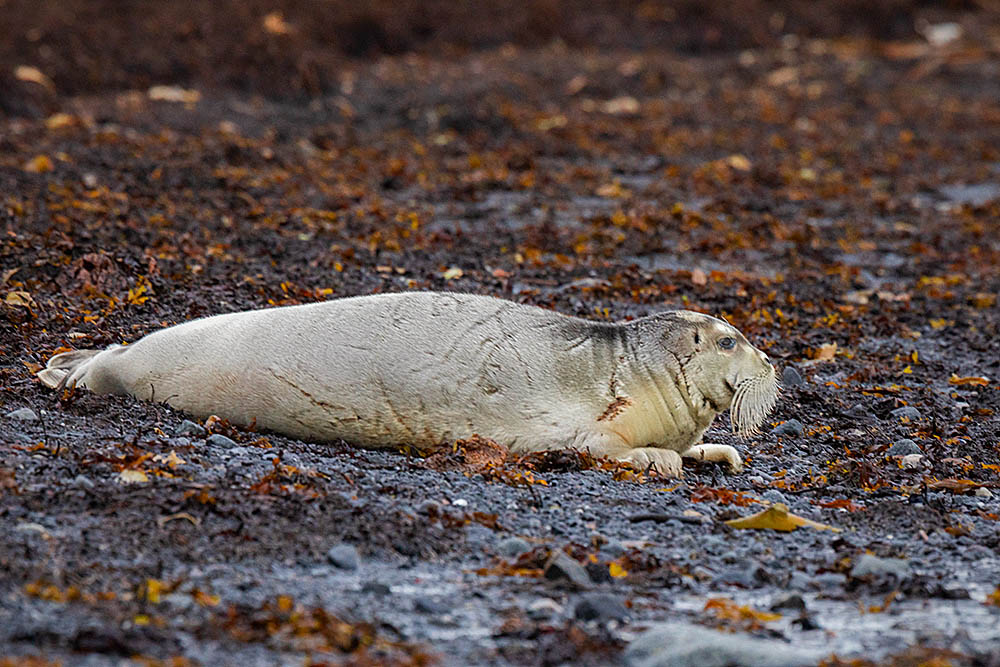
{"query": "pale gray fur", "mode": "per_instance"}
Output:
(425, 368)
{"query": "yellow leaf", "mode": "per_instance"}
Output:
(453, 273)
(617, 571)
(173, 94)
(275, 24)
(738, 162)
(978, 381)
(141, 619)
(284, 603)
(826, 352)
(777, 517)
(172, 459)
(60, 120)
(153, 589)
(33, 75)
(19, 298)
(132, 477)
(39, 164)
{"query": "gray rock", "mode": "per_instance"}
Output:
(774, 496)
(561, 567)
(687, 645)
(431, 606)
(190, 429)
(543, 609)
(512, 547)
(793, 602)
(903, 447)
(975, 195)
(23, 414)
(612, 548)
(83, 482)
(869, 565)
(790, 377)
(792, 428)
(907, 411)
(600, 607)
(859, 411)
(376, 588)
(220, 440)
(344, 556)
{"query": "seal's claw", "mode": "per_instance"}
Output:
(666, 461)
(711, 452)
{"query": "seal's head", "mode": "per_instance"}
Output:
(727, 370)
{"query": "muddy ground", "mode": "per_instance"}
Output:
(836, 196)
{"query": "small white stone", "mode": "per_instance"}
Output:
(912, 460)
(460, 502)
(983, 492)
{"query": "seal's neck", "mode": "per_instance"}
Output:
(670, 410)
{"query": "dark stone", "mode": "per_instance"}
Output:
(859, 411)
(189, 428)
(376, 588)
(561, 567)
(904, 447)
(790, 377)
(430, 606)
(220, 440)
(344, 556)
(598, 572)
(907, 411)
(23, 414)
(512, 547)
(792, 428)
(600, 607)
(793, 602)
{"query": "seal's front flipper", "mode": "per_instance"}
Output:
(716, 453)
(63, 370)
(666, 461)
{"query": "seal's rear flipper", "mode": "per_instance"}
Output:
(64, 366)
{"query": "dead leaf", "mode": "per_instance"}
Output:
(777, 517)
(698, 277)
(978, 381)
(57, 121)
(130, 476)
(826, 352)
(40, 164)
(164, 520)
(275, 24)
(728, 610)
(33, 75)
(173, 94)
(738, 162)
(621, 106)
(172, 459)
(453, 273)
(954, 485)
(20, 298)
(616, 570)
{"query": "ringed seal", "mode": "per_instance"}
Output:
(426, 368)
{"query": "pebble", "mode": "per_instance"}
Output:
(791, 377)
(906, 412)
(83, 482)
(903, 447)
(24, 414)
(376, 588)
(687, 645)
(220, 440)
(859, 411)
(612, 548)
(983, 492)
(562, 567)
(344, 556)
(189, 428)
(793, 602)
(912, 461)
(543, 609)
(512, 547)
(774, 496)
(460, 502)
(600, 607)
(431, 606)
(793, 428)
(869, 565)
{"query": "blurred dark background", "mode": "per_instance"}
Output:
(291, 48)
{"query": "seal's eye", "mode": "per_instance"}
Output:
(727, 343)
